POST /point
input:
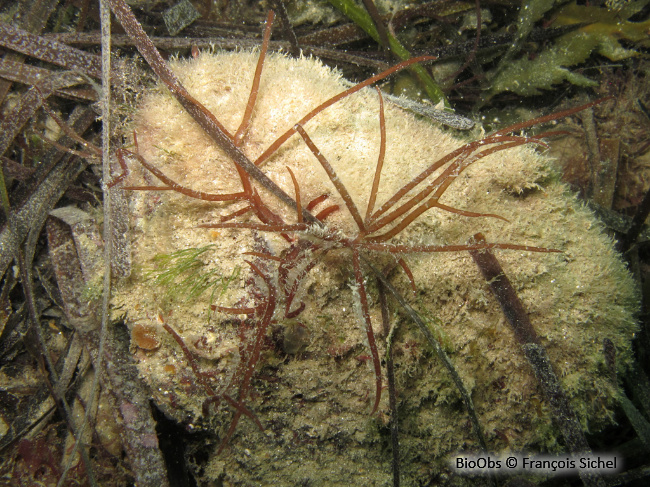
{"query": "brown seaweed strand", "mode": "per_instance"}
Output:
(380, 159)
(336, 181)
(465, 159)
(49, 50)
(255, 88)
(465, 150)
(379, 24)
(297, 192)
(390, 378)
(633, 232)
(202, 378)
(201, 115)
(500, 285)
(190, 360)
(363, 300)
(254, 348)
(171, 184)
(442, 182)
(535, 353)
(378, 77)
(550, 117)
(285, 24)
(30, 102)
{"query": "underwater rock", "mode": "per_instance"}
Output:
(314, 386)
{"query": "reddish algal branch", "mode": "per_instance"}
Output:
(363, 301)
(302, 255)
(380, 158)
(336, 181)
(465, 156)
(248, 112)
(239, 406)
(199, 113)
(255, 349)
(384, 74)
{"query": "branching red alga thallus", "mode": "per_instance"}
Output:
(310, 232)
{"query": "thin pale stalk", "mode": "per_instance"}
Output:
(88, 156)
(235, 311)
(262, 255)
(237, 213)
(104, 73)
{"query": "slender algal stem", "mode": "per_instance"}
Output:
(336, 181)
(390, 378)
(248, 113)
(171, 184)
(384, 74)
(363, 299)
(380, 158)
(465, 158)
(254, 348)
(550, 117)
(297, 192)
(415, 317)
(197, 111)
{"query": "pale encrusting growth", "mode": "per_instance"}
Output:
(315, 403)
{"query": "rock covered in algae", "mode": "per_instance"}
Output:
(314, 385)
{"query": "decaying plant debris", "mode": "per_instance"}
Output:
(42, 297)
